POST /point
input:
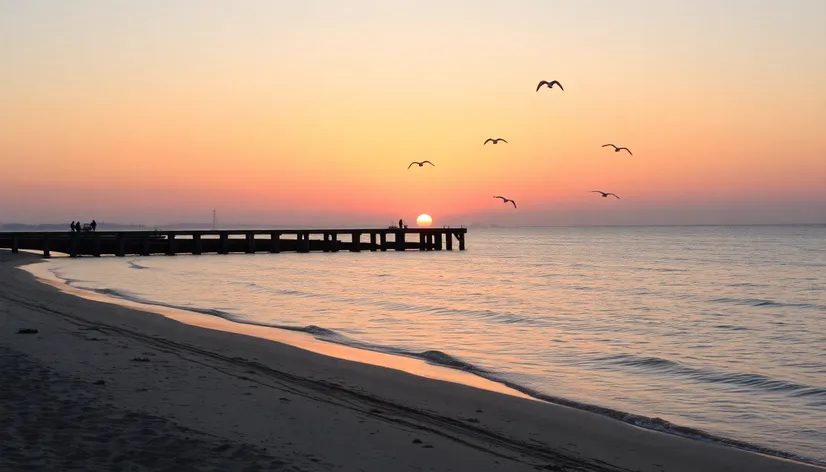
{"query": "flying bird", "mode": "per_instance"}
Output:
(421, 164)
(549, 84)
(506, 200)
(618, 149)
(604, 194)
(495, 140)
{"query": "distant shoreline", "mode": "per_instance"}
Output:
(13, 227)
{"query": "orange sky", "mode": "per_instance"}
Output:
(278, 113)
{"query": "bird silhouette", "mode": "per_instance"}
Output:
(421, 164)
(506, 200)
(549, 84)
(618, 149)
(604, 194)
(495, 140)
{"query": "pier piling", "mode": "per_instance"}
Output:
(275, 242)
(400, 241)
(355, 237)
(73, 245)
(121, 250)
(326, 244)
(303, 242)
(170, 244)
(196, 244)
(96, 251)
(223, 243)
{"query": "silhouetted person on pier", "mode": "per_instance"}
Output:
(401, 223)
(93, 225)
(77, 226)
(72, 225)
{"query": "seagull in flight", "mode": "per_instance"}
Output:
(421, 164)
(495, 140)
(603, 193)
(549, 84)
(506, 200)
(618, 149)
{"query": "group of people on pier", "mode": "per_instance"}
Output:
(77, 227)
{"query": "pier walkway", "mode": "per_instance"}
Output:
(145, 243)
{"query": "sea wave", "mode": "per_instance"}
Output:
(759, 302)
(733, 328)
(658, 269)
(746, 284)
(757, 382)
(489, 315)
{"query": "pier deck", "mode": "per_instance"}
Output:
(145, 243)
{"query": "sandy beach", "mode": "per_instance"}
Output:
(100, 386)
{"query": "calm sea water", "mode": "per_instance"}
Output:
(719, 329)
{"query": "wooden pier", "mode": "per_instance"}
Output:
(170, 243)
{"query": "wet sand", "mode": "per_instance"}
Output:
(108, 387)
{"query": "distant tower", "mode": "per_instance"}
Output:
(214, 221)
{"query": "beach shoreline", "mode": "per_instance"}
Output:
(338, 413)
(300, 339)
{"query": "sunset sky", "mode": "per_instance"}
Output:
(277, 112)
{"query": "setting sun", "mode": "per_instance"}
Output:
(424, 220)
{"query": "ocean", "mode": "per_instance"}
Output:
(717, 333)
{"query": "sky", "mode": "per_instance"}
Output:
(308, 113)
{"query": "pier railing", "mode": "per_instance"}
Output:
(145, 243)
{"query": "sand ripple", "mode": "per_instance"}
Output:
(54, 423)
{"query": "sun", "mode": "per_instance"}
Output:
(424, 220)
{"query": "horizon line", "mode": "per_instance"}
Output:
(471, 225)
